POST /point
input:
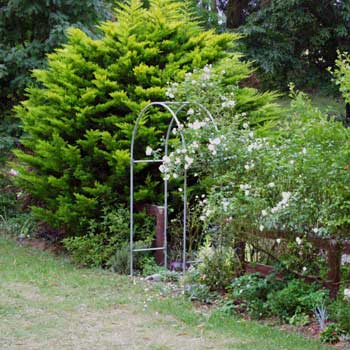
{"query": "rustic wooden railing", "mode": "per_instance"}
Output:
(334, 248)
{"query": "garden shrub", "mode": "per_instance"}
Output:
(340, 313)
(252, 291)
(291, 178)
(297, 298)
(78, 121)
(217, 266)
(104, 243)
(341, 74)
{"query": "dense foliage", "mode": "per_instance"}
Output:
(297, 40)
(78, 123)
(29, 30)
(274, 182)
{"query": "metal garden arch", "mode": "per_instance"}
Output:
(173, 108)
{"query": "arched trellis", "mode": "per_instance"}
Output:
(173, 108)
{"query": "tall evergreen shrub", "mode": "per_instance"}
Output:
(78, 122)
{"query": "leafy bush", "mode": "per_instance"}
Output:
(105, 243)
(217, 266)
(78, 123)
(331, 334)
(341, 74)
(297, 298)
(340, 313)
(252, 291)
(271, 180)
(18, 224)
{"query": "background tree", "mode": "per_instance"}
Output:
(296, 40)
(31, 29)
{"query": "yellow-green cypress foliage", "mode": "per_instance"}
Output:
(78, 120)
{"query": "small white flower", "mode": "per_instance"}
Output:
(347, 294)
(149, 151)
(291, 162)
(13, 172)
(190, 111)
(177, 161)
(271, 185)
(285, 197)
(299, 240)
(180, 189)
(246, 192)
(228, 104)
(304, 269)
(304, 150)
(166, 160)
(261, 228)
(175, 176)
(263, 212)
(245, 125)
(244, 114)
(278, 240)
(216, 141)
(211, 148)
(203, 195)
(188, 160)
(202, 218)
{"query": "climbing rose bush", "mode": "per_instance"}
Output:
(294, 180)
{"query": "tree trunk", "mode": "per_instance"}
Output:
(236, 12)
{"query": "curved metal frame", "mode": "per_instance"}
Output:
(174, 118)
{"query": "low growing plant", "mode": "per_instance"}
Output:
(298, 297)
(331, 334)
(100, 245)
(252, 291)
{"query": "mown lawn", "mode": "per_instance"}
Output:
(47, 303)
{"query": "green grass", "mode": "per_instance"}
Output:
(327, 104)
(47, 303)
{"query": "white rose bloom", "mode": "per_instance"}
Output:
(190, 111)
(166, 160)
(211, 147)
(216, 141)
(149, 151)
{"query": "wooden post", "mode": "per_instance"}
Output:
(158, 212)
(334, 263)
